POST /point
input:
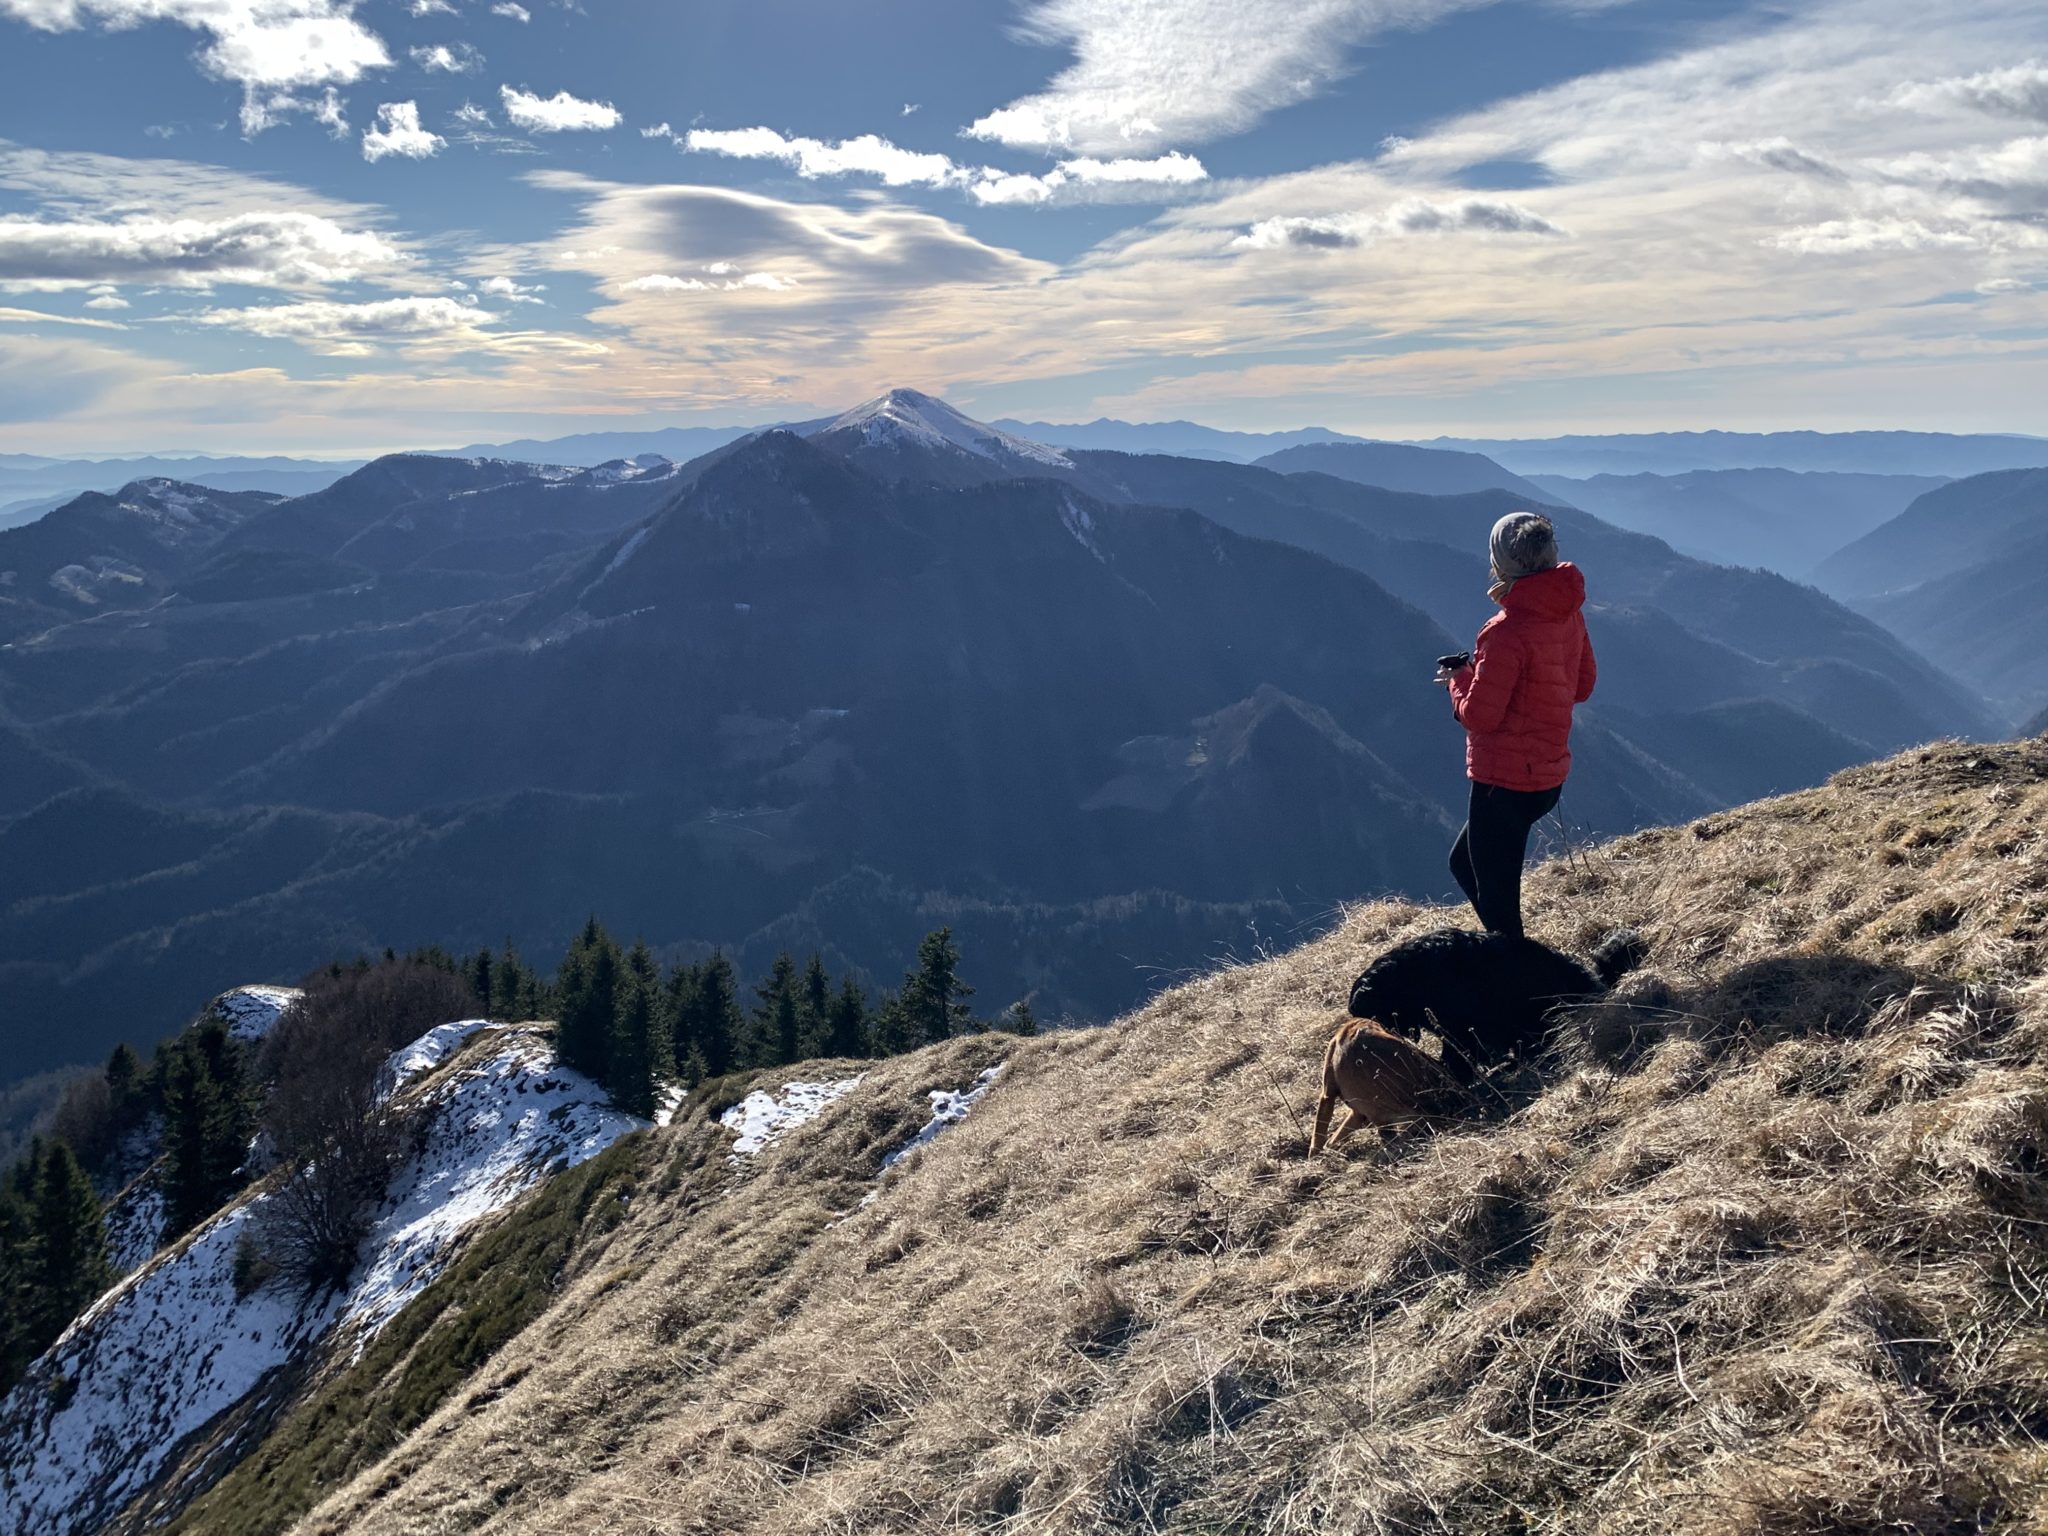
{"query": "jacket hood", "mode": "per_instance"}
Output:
(1552, 594)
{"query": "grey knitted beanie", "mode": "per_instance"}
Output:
(1522, 544)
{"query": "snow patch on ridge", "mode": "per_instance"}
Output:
(763, 1118)
(425, 1053)
(251, 1012)
(948, 1108)
(495, 1129)
(171, 1345)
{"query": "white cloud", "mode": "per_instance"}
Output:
(1412, 216)
(908, 108)
(397, 131)
(1153, 72)
(272, 249)
(512, 10)
(1840, 237)
(268, 47)
(431, 8)
(448, 58)
(663, 282)
(510, 290)
(352, 329)
(867, 155)
(43, 317)
(472, 115)
(1086, 177)
(106, 296)
(2020, 90)
(329, 115)
(1781, 154)
(895, 166)
(559, 113)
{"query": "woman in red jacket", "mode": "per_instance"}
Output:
(1531, 664)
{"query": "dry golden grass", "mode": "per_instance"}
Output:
(1761, 1250)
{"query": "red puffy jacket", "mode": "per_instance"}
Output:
(1531, 664)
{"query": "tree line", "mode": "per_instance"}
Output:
(634, 1028)
(221, 1111)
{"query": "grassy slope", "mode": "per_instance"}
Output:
(1763, 1250)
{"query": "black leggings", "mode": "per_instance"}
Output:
(1486, 860)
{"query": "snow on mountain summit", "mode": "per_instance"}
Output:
(906, 418)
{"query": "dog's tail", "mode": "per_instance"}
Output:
(1619, 953)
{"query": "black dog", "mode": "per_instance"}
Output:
(1485, 995)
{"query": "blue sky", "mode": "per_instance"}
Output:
(317, 226)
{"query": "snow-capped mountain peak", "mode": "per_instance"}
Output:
(907, 418)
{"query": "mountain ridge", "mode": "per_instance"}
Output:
(1111, 1289)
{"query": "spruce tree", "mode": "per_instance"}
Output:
(124, 1081)
(479, 972)
(588, 987)
(679, 1012)
(846, 1026)
(67, 1267)
(777, 1022)
(512, 988)
(208, 1120)
(1018, 1019)
(716, 1023)
(932, 1005)
(814, 1008)
(17, 1230)
(639, 1055)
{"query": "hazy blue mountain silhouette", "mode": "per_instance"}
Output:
(1949, 529)
(1783, 520)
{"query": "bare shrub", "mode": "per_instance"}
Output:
(324, 1115)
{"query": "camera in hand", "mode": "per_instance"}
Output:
(1454, 662)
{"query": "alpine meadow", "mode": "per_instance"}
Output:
(1074, 767)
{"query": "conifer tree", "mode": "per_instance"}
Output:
(846, 1026)
(124, 1075)
(1018, 1019)
(513, 988)
(639, 1055)
(679, 1012)
(207, 1123)
(67, 1266)
(479, 972)
(777, 1022)
(814, 1008)
(588, 984)
(716, 1023)
(932, 1005)
(17, 1229)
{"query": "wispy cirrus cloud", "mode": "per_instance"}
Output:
(14, 316)
(559, 113)
(1149, 73)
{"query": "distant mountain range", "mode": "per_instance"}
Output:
(31, 486)
(1958, 575)
(1105, 714)
(1676, 453)
(1783, 520)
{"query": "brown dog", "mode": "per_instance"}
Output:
(1382, 1079)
